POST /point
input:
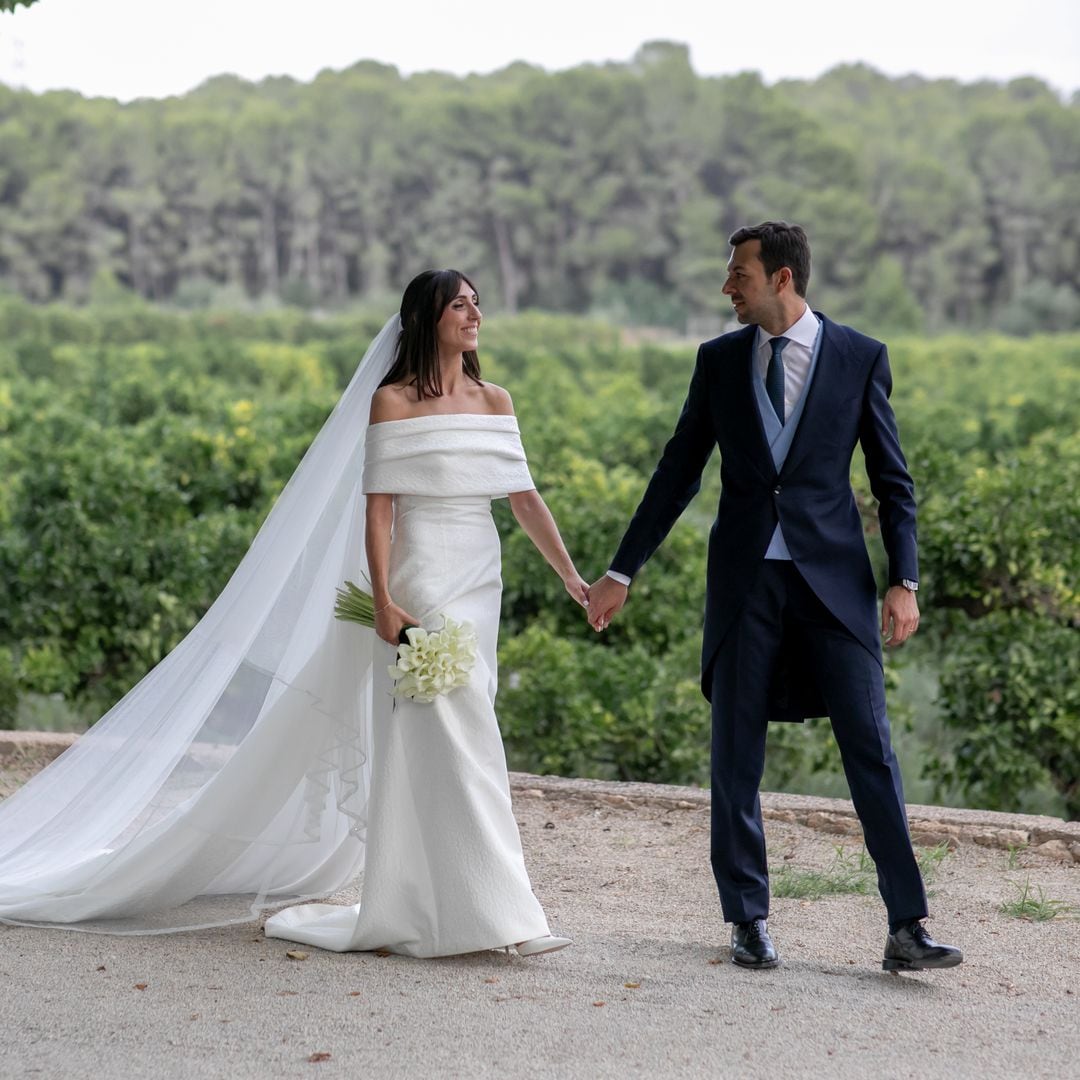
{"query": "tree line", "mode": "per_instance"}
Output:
(607, 190)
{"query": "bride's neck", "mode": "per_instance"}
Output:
(451, 373)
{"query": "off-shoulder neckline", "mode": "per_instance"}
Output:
(443, 416)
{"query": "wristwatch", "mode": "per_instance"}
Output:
(911, 586)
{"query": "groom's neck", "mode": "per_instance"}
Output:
(784, 317)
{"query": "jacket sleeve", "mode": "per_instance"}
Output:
(674, 482)
(887, 470)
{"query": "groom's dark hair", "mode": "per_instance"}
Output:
(782, 244)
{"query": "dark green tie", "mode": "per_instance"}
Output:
(774, 376)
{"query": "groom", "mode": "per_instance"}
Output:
(791, 627)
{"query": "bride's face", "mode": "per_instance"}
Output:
(458, 328)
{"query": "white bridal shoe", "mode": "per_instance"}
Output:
(539, 945)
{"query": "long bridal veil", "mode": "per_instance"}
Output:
(235, 774)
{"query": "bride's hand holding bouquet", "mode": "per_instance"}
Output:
(380, 614)
(429, 662)
(392, 621)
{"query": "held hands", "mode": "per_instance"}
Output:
(606, 599)
(899, 615)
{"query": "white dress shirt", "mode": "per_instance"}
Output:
(797, 355)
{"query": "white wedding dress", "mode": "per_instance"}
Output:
(264, 761)
(445, 872)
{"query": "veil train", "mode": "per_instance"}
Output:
(235, 774)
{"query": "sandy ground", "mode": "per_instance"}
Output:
(646, 990)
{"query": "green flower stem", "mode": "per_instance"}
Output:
(354, 605)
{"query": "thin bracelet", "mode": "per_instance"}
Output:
(383, 608)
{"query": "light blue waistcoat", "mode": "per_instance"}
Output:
(779, 436)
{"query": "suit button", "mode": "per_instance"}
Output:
(776, 490)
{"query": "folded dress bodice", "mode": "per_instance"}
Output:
(446, 455)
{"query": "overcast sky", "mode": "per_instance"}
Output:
(133, 48)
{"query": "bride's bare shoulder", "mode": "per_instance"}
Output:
(498, 400)
(390, 402)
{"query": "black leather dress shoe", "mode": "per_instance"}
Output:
(911, 948)
(751, 946)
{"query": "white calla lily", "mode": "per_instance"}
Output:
(434, 662)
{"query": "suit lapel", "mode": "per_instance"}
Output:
(826, 388)
(738, 406)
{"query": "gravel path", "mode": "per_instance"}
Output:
(647, 989)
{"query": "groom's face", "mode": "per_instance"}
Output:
(753, 294)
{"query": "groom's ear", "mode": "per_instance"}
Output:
(782, 277)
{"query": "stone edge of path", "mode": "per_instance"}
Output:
(930, 825)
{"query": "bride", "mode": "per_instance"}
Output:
(265, 760)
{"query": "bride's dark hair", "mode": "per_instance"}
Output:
(422, 305)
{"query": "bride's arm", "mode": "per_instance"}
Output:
(389, 618)
(535, 518)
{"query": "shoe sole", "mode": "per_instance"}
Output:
(888, 964)
(757, 967)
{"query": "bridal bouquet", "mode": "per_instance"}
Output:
(429, 662)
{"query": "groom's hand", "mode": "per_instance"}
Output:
(606, 599)
(899, 615)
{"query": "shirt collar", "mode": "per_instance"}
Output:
(804, 330)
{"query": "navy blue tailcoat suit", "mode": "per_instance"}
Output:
(811, 496)
(786, 640)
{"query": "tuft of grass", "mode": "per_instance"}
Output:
(1013, 856)
(1033, 904)
(849, 873)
